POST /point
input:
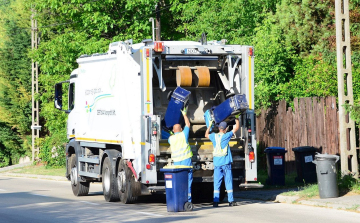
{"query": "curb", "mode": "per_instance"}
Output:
(45, 177)
(338, 206)
(324, 204)
(286, 199)
(4, 169)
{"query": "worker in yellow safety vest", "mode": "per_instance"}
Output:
(222, 160)
(180, 148)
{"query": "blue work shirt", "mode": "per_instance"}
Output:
(222, 160)
(186, 132)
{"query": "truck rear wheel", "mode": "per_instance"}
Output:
(109, 182)
(78, 188)
(126, 183)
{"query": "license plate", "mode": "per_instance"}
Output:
(191, 51)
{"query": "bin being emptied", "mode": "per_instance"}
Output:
(178, 100)
(276, 165)
(306, 170)
(176, 184)
(326, 171)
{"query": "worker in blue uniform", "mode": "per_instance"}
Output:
(222, 160)
(180, 149)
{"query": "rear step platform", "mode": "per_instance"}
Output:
(251, 185)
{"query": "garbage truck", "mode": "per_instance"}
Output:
(116, 102)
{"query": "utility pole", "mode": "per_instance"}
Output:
(158, 24)
(345, 90)
(35, 128)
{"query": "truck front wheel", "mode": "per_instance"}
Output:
(78, 188)
(109, 183)
(126, 183)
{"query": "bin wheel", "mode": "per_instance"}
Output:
(188, 206)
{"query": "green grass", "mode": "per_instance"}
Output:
(300, 189)
(40, 170)
(289, 181)
(305, 192)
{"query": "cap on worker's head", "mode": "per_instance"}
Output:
(222, 125)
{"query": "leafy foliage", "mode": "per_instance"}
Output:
(15, 90)
(234, 20)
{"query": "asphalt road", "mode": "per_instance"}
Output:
(35, 200)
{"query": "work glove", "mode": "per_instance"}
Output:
(211, 123)
(184, 111)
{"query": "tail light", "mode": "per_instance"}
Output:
(147, 52)
(158, 47)
(152, 159)
(251, 156)
(251, 52)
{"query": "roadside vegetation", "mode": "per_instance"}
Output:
(346, 185)
(40, 170)
(294, 47)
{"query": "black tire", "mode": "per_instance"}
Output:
(109, 182)
(126, 184)
(78, 188)
(188, 206)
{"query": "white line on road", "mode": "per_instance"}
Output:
(147, 213)
(89, 202)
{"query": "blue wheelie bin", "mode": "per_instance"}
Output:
(276, 165)
(176, 184)
(178, 100)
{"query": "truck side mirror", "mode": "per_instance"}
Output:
(58, 96)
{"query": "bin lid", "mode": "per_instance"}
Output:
(326, 157)
(175, 168)
(304, 149)
(275, 149)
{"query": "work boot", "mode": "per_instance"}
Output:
(215, 204)
(231, 204)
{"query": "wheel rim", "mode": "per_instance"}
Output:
(107, 179)
(73, 176)
(121, 180)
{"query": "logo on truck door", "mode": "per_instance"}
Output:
(104, 112)
(90, 107)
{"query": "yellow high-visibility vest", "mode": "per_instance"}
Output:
(218, 151)
(180, 150)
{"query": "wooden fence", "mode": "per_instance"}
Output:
(314, 122)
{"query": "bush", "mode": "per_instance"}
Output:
(52, 150)
(348, 183)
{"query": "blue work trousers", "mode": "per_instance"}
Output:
(187, 162)
(219, 173)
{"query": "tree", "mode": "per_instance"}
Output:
(15, 82)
